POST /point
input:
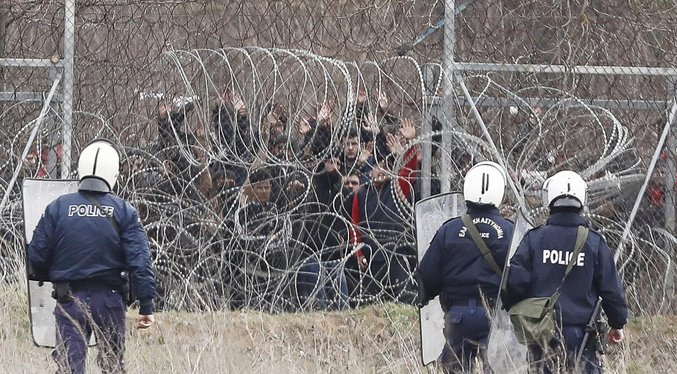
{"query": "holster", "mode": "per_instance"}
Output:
(126, 288)
(62, 292)
(36, 274)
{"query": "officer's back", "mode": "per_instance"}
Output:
(455, 267)
(538, 267)
(86, 244)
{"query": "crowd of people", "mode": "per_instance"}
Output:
(314, 212)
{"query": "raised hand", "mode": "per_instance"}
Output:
(296, 186)
(365, 154)
(383, 102)
(303, 125)
(371, 124)
(393, 144)
(271, 118)
(361, 96)
(162, 110)
(408, 130)
(238, 104)
(326, 110)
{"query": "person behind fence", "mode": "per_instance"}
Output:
(463, 264)
(177, 144)
(322, 232)
(385, 254)
(87, 243)
(232, 126)
(571, 266)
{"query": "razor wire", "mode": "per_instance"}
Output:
(218, 245)
(199, 111)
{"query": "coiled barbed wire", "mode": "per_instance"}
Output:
(132, 55)
(217, 247)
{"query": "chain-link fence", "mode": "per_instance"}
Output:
(270, 145)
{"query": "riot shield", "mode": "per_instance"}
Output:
(504, 353)
(431, 213)
(37, 194)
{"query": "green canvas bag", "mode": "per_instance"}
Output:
(534, 318)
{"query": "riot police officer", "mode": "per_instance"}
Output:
(87, 242)
(537, 270)
(466, 279)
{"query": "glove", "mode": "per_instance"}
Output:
(422, 296)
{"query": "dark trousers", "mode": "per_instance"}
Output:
(561, 355)
(322, 285)
(466, 329)
(389, 278)
(100, 311)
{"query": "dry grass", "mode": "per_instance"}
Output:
(379, 339)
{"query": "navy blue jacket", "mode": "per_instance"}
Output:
(74, 242)
(453, 265)
(381, 222)
(537, 269)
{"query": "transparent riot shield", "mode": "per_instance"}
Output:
(504, 353)
(431, 213)
(37, 194)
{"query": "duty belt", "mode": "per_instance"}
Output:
(447, 302)
(92, 285)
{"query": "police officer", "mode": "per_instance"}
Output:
(538, 266)
(85, 241)
(454, 268)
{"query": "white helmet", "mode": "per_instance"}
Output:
(100, 160)
(485, 184)
(565, 188)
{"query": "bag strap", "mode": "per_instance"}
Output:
(581, 238)
(480, 244)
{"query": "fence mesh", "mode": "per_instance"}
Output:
(248, 128)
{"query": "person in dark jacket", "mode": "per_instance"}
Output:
(85, 241)
(537, 270)
(258, 218)
(384, 253)
(454, 268)
(325, 232)
(231, 123)
(353, 159)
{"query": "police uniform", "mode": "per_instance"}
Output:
(537, 270)
(454, 268)
(87, 245)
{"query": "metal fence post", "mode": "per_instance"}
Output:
(54, 133)
(671, 167)
(427, 128)
(67, 105)
(671, 120)
(448, 105)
